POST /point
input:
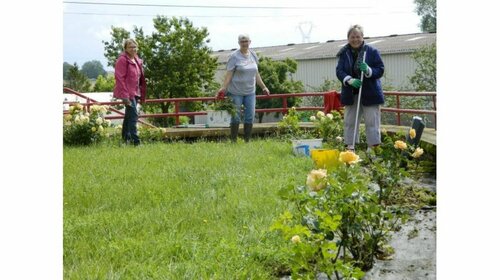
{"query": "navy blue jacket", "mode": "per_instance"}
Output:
(372, 89)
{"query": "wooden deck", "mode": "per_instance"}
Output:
(428, 136)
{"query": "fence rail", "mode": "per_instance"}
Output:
(328, 98)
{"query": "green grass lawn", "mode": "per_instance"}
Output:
(177, 210)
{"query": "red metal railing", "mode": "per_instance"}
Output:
(284, 109)
(398, 110)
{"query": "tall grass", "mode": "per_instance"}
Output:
(176, 211)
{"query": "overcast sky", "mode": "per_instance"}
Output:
(85, 26)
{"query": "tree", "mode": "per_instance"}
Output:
(177, 61)
(93, 68)
(104, 83)
(427, 10)
(77, 80)
(277, 77)
(66, 67)
(424, 78)
(113, 48)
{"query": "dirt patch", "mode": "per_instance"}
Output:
(415, 248)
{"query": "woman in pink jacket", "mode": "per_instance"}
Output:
(130, 86)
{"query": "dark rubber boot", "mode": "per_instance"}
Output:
(234, 131)
(247, 130)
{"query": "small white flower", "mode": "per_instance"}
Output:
(339, 139)
(98, 120)
(101, 129)
(312, 118)
(330, 116)
(296, 239)
(320, 114)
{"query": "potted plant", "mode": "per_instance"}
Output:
(302, 142)
(221, 112)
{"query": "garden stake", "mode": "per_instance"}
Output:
(357, 109)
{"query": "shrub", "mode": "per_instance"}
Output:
(82, 127)
(341, 220)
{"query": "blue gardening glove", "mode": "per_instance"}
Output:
(363, 67)
(355, 83)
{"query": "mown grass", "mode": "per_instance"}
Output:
(177, 210)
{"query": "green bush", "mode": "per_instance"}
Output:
(343, 216)
(81, 127)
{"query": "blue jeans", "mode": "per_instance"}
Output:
(248, 102)
(129, 127)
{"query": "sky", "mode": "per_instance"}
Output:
(269, 22)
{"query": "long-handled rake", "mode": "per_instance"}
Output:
(359, 102)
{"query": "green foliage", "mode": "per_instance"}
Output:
(427, 10)
(66, 67)
(177, 61)
(151, 134)
(92, 69)
(343, 216)
(76, 80)
(341, 226)
(329, 127)
(104, 83)
(225, 104)
(114, 48)
(289, 126)
(424, 78)
(82, 127)
(276, 76)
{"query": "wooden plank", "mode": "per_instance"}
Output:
(428, 136)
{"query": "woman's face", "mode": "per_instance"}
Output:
(355, 39)
(244, 43)
(131, 49)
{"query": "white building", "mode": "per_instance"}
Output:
(317, 61)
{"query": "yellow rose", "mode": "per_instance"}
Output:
(316, 179)
(413, 133)
(400, 145)
(296, 239)
(349, 157)
(418, 152)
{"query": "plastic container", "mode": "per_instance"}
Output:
(325, 158)
(303, 147)
(218, 118)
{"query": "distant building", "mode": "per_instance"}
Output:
(317, 61)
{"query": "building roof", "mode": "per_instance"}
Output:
(385, 44)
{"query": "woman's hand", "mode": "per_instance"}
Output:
(126, 101)
(220, 94)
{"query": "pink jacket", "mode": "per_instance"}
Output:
(127, 76)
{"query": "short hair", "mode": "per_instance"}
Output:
(126, 42)
(243, 36)
(355, 27)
